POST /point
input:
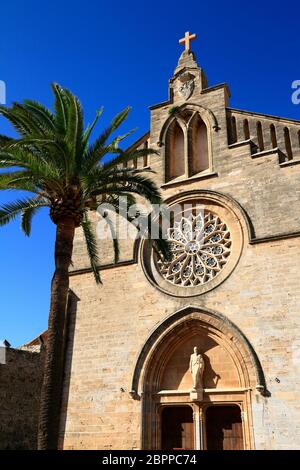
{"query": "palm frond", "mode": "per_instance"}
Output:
(134, 183)
(91, 245)
(61, 103)
(38, 165)
(87, 133)
(20, 180)
(44, 148)
(28, 214)
(114, 144)
(99, 148)
(124, 157)
(151, 230)
(43, 114)
(120, 205)
(5, 141)
(16, 122)
(74, 131)
(114, 237)
(33, 124)
(53, 159)
(11, 210)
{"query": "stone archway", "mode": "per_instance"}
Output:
(232, 372)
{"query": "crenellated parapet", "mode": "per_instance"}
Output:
(266, 134)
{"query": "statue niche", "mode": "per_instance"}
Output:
(179, 372)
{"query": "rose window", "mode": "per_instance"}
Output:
(200, 247)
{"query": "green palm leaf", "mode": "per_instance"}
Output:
(27, 216)
(11, 210)
(54, 159)
(91, 245)
(41, 114)
(61, 104)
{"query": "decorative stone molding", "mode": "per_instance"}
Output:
(187, 85)
(206, 114)
(154, 357)
(200, 245)
(146, 374)
(226, 222)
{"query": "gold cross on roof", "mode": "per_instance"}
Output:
(187, 39)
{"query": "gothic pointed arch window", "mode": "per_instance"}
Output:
(233, 130)
(198, 146)
(287, 141)
(246, 129)
(186, 138)
(273, 136)
(260, 136)
(175, 154)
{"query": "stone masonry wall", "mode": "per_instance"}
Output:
(261, 297)
(20, 386)
(113, 322)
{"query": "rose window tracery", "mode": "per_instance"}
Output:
(200, 248)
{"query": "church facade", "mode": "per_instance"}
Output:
(200, 351)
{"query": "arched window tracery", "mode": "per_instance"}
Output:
(186, 147)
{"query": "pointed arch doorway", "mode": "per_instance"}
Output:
(171, 417)
(222, 427)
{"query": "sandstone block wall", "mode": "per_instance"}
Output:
(20, 386)
(261, 296)
(113, 322)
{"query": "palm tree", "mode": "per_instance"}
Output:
(54, 162)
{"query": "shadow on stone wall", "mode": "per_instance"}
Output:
(68, 348)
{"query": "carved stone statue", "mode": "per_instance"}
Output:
(197, 369)
(186, 89)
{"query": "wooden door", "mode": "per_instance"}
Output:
(224, 430)
(177, 428)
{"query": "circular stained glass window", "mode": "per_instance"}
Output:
(200, 247)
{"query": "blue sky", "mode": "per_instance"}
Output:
(123, 53)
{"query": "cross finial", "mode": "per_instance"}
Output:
(187, 39)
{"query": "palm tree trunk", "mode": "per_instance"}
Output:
(53, 372)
